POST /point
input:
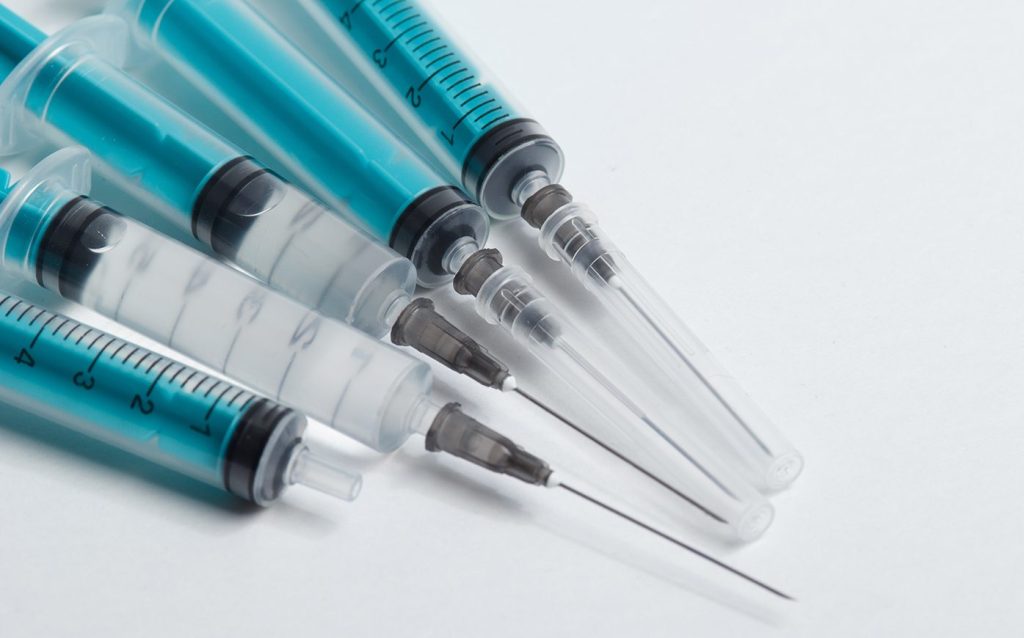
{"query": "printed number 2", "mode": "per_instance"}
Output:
(414, 97)
(144, 406)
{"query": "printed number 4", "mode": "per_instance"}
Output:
(25, 358)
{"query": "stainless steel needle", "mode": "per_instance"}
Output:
(649, 320)
(675, 541)
(619, 455)
(628, 403)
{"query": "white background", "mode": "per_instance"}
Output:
(830, 192)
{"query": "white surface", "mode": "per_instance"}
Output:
(830, 192)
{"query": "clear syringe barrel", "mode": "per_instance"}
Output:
(506, 296)
(157, 408)
(70, 87)
(52, 234)
(731, 421)
(454, 106)
(310, 125)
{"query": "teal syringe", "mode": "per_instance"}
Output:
(157, 408)
(510, 164)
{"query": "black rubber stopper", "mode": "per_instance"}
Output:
(545, 203)
(64, 264)
(248, 446)
(477, 270)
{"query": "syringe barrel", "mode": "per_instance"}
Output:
(507, 297)
(151, 406)
(309, 124)
(70, 87)
(454, 106)
(728, 419)
(52, 234)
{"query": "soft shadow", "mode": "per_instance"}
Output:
(740, 596)
(432, 474)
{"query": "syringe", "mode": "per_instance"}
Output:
(510, 164)
(313, 126)
(65, 73)
(53, 234)
(157, 408)
(173, 415)
(168, 413)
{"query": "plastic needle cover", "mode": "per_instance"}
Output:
(731, 420)
(627, 416)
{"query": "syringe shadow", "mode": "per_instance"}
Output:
(478, 498)
(431, 475)
(754, 603)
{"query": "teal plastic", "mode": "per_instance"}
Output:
(27, 208)
(312, 126)
(168, 153)
(137, 133)
(444, 94)
(292, 243)
(115, 391)
(17, 39)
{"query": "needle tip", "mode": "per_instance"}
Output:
(675, 541)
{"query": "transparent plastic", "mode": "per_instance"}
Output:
(72, 87)
(295, 245)
(151, 406)
(219, 316)
(509, 299)
(730, 419)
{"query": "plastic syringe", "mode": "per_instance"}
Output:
(313, 126)
(168, 413)
(70, 76)
(68, 87)
(511, 165)
(157, 408)
(52, 233)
